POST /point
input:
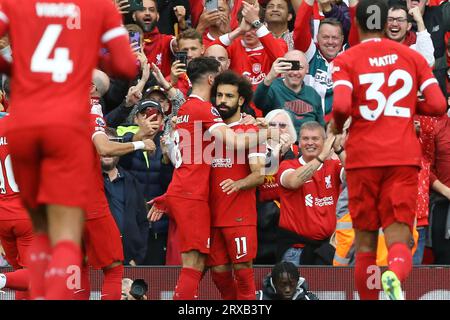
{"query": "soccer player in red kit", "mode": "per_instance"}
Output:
(376, 83)
(101, 236)
(48, 134)
(232, 200)
(16, 231)
(187, 196)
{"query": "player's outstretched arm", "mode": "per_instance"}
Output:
(242, 141)
(342, 104)
(108, 148)
(434, 103)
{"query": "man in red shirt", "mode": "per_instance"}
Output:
(158, 47)
(251, 47)
(16, 230)
(376, 83)
(234, 177)
(309, 189)
(54, 66)
(187, 202)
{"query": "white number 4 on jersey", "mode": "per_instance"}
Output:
(60, 66)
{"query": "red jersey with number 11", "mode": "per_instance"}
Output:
(385, 77)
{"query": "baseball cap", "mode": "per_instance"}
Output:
(145, 104)
(153, 89)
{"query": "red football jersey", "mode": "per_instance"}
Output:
(310, 210)
(255, 63)
(98, 204)
(238, 208)
(158, 49)
(385, 77)
(195, 119)
(56, 45)
(10, 204)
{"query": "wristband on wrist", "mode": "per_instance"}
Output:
(318, 159)
(338, 152)
(138, 145)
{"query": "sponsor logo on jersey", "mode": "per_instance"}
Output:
(328, 181)
(254, 79)
(222, 163)
(159, 59)
(3, 141)
(310, 201)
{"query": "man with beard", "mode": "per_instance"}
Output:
(234, 177)
(158, 47)
(290, 92)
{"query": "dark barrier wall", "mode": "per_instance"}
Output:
(330, 283)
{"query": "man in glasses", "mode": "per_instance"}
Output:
(398, 28)
(290, 92)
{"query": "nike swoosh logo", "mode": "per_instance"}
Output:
(308, 181)
(240, 256)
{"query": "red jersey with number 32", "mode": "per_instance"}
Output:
(385, 77)
(10, 205)
(195, 120)
(56, 45)
(237, 208)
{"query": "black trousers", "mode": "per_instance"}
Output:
(441, 246)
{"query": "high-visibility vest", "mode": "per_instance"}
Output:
(345, 236)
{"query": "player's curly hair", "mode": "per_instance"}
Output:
(232, 78)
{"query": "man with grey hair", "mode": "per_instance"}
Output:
(309, 189)
(290, 92)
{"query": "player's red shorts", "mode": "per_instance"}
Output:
(16, 237)
(232, 245)
(102, 242)
(381, 196)
(193, 223)
(52, 165)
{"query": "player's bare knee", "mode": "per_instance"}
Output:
(113, 265)
(39, 220)
(366, 241)
(397, 233)
(221, 268)
(242, 265)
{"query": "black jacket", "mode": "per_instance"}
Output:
(135, 229)
(268, 291)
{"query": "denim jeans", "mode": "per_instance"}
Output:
(418, 255)
(293, 255)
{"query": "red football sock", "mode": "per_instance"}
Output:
(112, 283)
(187, 285)
(226, 284)
(245, 281)
(39, 254)
(18, 280)
(366, 290)
(66, 259)
(22, 295)
(84, 292)
(400, 260)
